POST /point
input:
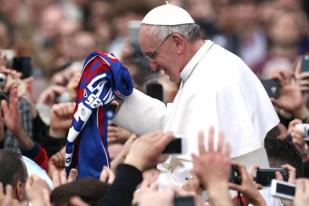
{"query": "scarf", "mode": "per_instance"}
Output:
(103, 79)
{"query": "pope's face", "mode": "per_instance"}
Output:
(159, 53)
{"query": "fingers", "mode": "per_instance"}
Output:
(243, 171)
(104, 174)
(167, 138)
(73, 174)
(294, 122)
(131, 139)
(63, 177)
(1, 192)
(46, 197)
(227, 150)
(292, 172)
(4, 106)
(234, 186)
(211, 134)
(298, 68)
(56, 178)
(300, 187)
(8, 196)
(64, 109)
(76, 201)
(278, 176)
(107, 175)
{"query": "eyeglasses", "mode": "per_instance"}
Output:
(154, 54)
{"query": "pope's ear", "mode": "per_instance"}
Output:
(179, 42)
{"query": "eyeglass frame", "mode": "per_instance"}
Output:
(155, 53)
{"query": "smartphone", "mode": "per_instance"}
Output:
(282, 189)
(272, 87)
(176, 146)
(111, 110)
(155, 90)
(133, 27)
(23, 65)
(305, 63)
(235, 176)
(264, 176)
(184, 201)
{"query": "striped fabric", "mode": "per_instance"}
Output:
(103, 79)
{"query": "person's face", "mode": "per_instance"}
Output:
(161, 54)
(280, 35)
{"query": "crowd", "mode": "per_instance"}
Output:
(270, 36)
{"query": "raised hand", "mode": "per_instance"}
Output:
(115, 134)
(61, 119)
(145, 151)
(107, 175)
(35, 189)
(213, 167)
(11, 112)
(302, 192)
(7, 199)
(49, 95)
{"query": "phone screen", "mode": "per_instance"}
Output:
(305, 63)
(174, 147)
(285, 189)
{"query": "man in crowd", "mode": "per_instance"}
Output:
(13, 172)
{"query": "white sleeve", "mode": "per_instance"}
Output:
(140, 113)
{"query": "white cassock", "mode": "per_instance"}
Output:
(217, 89)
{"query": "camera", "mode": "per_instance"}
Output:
(235, 176)
(264, 176)
(23, 65)
(305, 129)
(282, 189)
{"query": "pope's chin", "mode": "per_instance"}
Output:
(173, 78)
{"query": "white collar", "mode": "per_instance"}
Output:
(197, 57)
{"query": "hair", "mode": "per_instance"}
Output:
(283, 152)
(12, 167)
(189, 31)
(89, 190)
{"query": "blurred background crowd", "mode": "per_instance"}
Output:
(271, 36)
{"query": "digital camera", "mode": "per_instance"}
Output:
(305, 129)
(264, 176)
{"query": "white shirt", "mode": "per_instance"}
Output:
(34, 169)
(218, 89)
